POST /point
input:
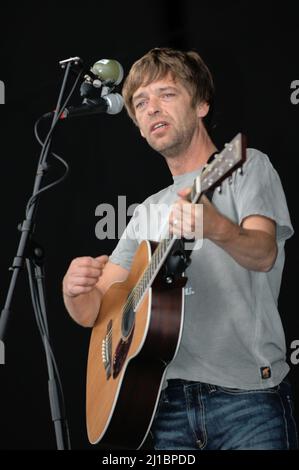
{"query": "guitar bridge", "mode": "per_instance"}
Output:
(107, 351)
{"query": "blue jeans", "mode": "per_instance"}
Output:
(198, 416)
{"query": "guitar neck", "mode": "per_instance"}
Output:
(159, 257)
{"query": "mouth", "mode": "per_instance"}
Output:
(158, 126)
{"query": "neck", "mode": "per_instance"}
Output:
(197, 154)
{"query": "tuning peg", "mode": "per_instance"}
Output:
(240, 171)
(219, 189)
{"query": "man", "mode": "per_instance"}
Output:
(226, 387)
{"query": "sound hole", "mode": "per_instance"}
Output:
(128, 321)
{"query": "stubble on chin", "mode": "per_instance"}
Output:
(169, 149)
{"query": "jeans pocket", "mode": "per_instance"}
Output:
(241, 391)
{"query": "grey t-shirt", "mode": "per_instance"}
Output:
(232, 334)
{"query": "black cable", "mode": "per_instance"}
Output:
(51, 185)
(44, 145)
(42, 325)
(35, 300)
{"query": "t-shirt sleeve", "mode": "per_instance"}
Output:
(124, 251)
(259, 192)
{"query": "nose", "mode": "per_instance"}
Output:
(153, 106)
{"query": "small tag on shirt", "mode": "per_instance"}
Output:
(265, 372)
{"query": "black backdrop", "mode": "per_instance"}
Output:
(252, 50)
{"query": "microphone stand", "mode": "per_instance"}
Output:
(33, 253)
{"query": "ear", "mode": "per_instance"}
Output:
(202, 109)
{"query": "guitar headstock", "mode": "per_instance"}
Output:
(224, 164)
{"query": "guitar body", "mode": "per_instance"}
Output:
(127, 361)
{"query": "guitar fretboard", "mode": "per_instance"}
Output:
(152, 270)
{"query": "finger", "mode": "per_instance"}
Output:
(89, 262)
(77, 290)
(174, 218)
(176, 231)
(94, 273)
(85, 261)
(102, 260)
(185, 193)
(204, 200)
(84, 282)
(175, 223)
(179, 203)
(188, 212)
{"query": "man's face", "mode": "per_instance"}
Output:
(165, 116)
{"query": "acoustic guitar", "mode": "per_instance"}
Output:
(138, 330)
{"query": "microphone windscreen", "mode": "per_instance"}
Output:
(108, 71)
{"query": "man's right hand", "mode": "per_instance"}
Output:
(83, 274)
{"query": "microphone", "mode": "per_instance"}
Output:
(108, 71)
(110, 104)
(102, 78)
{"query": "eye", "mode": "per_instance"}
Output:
(168, 95)
(140, 104)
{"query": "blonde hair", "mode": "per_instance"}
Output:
(187, 67)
